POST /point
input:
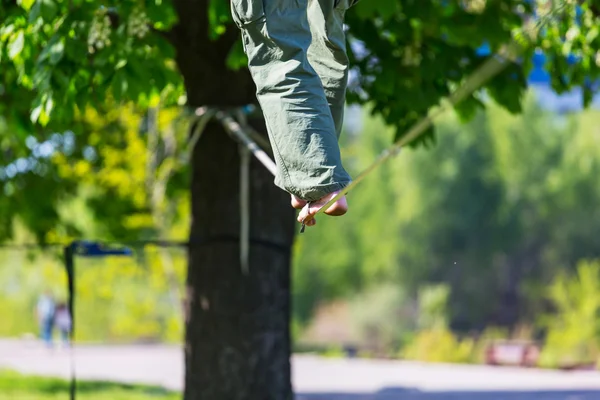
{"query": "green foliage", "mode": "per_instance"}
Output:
(433, 306)
(117, 299)
(414, 53)
(440, 345)
(433, 341)
(132, 299)
(494, 211)
(131, 177)
(573, 335)
(380, 317)
(59, 60)
(333, 352)
(132, 181)
(17, 386)
(78, 53)
(124, 191)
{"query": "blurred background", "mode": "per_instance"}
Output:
(489, 235)
(476, 248)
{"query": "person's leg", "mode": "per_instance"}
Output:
(47, 331)
(327, 54)
(276, 36)
(65, 337)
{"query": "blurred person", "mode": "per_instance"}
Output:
(298, 60)
(45, 310)
(62, 321)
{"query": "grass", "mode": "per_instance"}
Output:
(14, 386)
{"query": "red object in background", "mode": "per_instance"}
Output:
(514, 353)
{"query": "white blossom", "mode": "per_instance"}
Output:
(100, 29)
(137, 25)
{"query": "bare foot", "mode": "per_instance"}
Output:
(298, 203)
(340, 207)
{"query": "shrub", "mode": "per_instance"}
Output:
(573, 331)
(439, 345)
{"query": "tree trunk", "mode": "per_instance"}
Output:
(237, 327)
(237, 343)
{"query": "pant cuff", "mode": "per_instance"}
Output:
(315, 193)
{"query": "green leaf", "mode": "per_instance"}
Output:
(163, 16)
(54, 51)
(57, 50)
(237, 59)
(468, 108)
(368, 9)
(164, 46)
(35, 12)
(592, 34)
(218, 16)
(61, 78)
(119, 85)
(6, 31)
(49, 9)
(16, 45)
(35, 113)
(44, 118)
(48, 106)
(26, 4)
(46, 9)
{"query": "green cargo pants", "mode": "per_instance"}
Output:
(297, 58)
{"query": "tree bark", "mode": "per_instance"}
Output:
(237, 327)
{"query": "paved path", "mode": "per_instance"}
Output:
(317, 378)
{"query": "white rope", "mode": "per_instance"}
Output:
(235, 130)
(247, 147)
(262, 142)
(244, 209)
(244, 205)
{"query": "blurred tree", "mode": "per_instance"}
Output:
(573, 330)
(495, 210)
(59, 58)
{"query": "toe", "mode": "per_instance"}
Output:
(338, 208)
(308, 209)
(297, 203)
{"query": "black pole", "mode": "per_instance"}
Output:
(69, 256)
